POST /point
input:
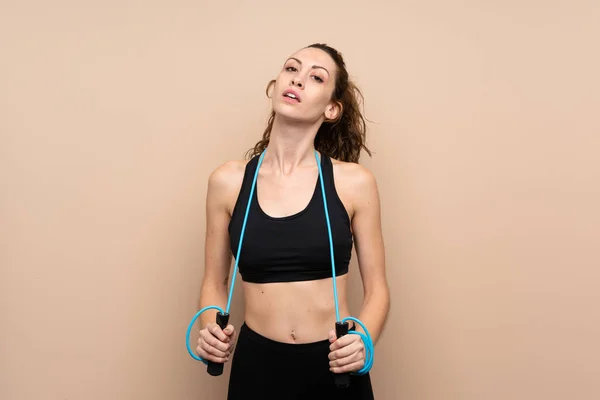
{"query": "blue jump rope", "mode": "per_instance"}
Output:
(341, 326)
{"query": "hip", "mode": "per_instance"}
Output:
(266, 368)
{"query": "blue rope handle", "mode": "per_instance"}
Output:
(366, 337)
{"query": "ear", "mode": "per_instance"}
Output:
(269, 85)
(334, 111)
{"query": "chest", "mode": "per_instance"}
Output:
(281, 196)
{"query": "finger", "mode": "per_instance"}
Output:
(232, 342)
(347, 368)
(214, 347)
(213, 350)
(215, 359)
(340, 362)
(207, 356)
(346, 351)
(229, 330)
(214, 342)
(344, 341)
(332, 336)
(217, 332)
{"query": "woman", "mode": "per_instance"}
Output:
(287, 347)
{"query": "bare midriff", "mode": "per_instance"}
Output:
(294, 312)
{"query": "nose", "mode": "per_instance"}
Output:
(297, 82)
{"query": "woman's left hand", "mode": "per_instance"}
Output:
(346, 354)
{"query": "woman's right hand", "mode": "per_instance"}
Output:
(216, 344)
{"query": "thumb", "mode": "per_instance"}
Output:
(332, 336)
(228, 330)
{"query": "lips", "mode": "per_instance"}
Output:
(291, 95)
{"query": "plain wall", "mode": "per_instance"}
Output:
(486, 140)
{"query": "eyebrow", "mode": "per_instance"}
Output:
(314, 66)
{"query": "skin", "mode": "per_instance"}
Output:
(296, 312)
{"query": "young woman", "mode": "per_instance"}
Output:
(308, 157)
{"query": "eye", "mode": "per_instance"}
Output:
(291, 69)
(317, 78)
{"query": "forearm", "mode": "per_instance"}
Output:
(374, 313)
(211, 295)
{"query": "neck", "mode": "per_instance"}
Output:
(291, 145)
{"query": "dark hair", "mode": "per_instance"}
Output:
(342, 139)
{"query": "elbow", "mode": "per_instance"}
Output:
(215, 282)
(214, 287)
(380, 293)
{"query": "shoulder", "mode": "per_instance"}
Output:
(225, 181)
(229, 171)
(357, 187)
(354, 176)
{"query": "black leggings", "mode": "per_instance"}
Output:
(266, 369)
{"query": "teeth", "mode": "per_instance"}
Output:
(291, 95)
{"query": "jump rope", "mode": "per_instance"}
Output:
(341, 326)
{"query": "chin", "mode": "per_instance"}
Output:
(288, 111)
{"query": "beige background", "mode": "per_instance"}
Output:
(485, 134)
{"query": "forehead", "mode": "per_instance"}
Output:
(312, 56)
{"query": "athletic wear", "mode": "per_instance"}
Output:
(292, 248)
(286, 249)
(265, 369)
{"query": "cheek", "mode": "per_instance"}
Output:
(281, 80)
(320, 99)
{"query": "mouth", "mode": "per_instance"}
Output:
(291, 95)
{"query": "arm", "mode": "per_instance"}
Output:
(346, 353)
(215, 344)
(217, 257)
(366, 225)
